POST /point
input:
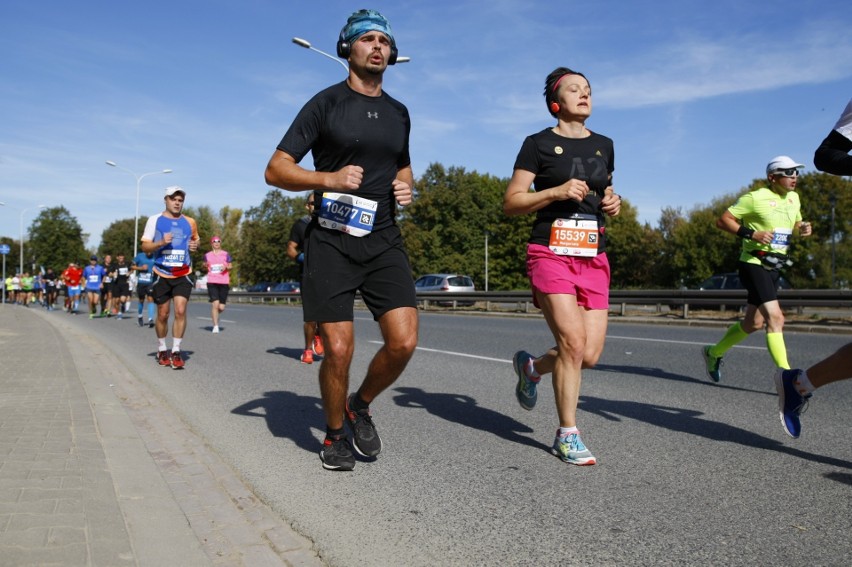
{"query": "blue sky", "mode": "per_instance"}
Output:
(697, 95)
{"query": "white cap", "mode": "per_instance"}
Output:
(177, 189)
(781, 162)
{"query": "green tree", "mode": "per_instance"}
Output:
(264, 235)
(635, 251)
(445, 228)
(118, 237)
(56, 238)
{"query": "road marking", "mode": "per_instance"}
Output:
(677, 342)
(464, 354)
(211, 319)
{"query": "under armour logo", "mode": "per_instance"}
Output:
(373, 115)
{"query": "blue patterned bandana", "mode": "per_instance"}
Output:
(363, 21)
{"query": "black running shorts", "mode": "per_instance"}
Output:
(142, 290)
(164, 289)
(217, 292)
(761, 284)
(337, 265)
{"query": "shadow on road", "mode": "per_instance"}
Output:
(288, 415)
(660, 373)
(690, 422)
(464, 411)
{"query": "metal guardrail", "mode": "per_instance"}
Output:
(676, 299)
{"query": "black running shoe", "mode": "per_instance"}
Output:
(336, 454)
(139, 320)
(365, 438)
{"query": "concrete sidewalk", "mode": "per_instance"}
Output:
(95, 469)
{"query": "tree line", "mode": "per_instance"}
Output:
(457, 213)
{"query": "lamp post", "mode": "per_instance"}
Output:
(832, 200)
(138, 186)
(307, 45)
(21, 266)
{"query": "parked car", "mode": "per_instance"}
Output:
(731, 280)
(450, 283)
(260, 287)
(287, 287)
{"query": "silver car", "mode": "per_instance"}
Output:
(445, 282)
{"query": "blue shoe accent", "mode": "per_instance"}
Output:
(572, 450)
(525, 391)
(713, 363)
(791, 403)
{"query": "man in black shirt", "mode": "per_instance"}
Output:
(358, 136)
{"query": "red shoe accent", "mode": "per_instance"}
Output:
(318, 348)
(177, 361)
(163, 358)
(307, 357)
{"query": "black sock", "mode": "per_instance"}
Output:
(334, 433)
(356, 403)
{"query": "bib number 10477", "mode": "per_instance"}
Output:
(347, 213)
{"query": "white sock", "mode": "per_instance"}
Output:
(565, 431)
(176, 345)
(803, 383)
(161, 344)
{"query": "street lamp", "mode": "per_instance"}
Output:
(138, 185)
(21, 266)
(307, 45)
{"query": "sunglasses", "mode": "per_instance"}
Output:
(792, 172)
(216, 241)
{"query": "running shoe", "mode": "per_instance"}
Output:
(572, 450)
(791, 403)
(91, 315)
(365, 438)
(215, 329)
(150, 323)
(163, 358)
(317, 346)
(525, 391)
(336, 454)
(177, 361)
(139, 321)
(307, 357)
(714, 364)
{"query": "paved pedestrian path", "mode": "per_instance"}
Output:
(95, 469)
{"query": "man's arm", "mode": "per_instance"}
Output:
(283, 172)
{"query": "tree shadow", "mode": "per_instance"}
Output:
(652, 372)
(288, 415)
(464, 410)
(690, 422)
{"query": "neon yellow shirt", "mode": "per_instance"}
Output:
(765, 210)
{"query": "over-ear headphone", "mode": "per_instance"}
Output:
(344, 50)
(554, 107)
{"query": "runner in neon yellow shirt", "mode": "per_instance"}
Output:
(766, 219)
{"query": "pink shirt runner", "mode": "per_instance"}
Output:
(217, 272)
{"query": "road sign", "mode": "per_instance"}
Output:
(4, 249)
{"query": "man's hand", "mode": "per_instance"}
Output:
(402, 192)
(347, 178)
(611, 202)
(193, 244)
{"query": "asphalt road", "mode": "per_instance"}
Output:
(688, 471)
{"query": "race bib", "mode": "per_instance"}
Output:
(173, 258)
(93, 278)
(122, 271)
(146, 277)
(347, 213)
(575, 236)
(781, 239)
(217, 268)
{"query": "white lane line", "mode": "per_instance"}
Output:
(677, 342)
(211, 319)
(454, 353)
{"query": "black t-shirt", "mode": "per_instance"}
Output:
(341, 127)
(554, 160)
(121, 271)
